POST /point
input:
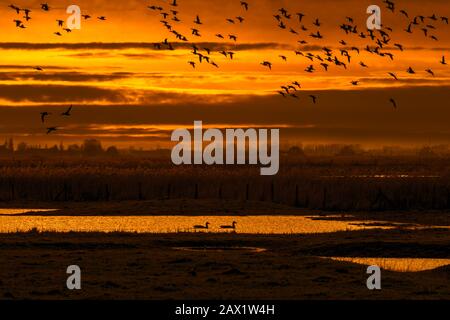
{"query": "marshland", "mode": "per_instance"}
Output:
(127, 220)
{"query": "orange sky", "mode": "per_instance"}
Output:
(110, 68)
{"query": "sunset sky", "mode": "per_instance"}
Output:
(127, 92)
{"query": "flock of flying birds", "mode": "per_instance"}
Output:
(379, 42)
(20, 24)
(44, 7)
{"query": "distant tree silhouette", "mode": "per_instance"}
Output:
(92, 147)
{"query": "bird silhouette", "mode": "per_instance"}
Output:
(393, 75)
(410, 71)
(200, 227)
(394, 103)
(17, 9)
(197, 20)
(232, 226)
(44, 115)
(67, 112)
(443, 60)
(267, 64)
(300, 17)
(45, 7)
(51, 129)
(313, 98)
(245, 5)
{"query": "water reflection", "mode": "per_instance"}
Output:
(22, 211)
(170, 224)
(398, 264)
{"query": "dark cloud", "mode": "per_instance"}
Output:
(140, 45)
(62, 76)
(58, 93)
(355, 116)
(28, 67)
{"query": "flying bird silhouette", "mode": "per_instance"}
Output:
(67, 112)
(245, 5)
(44, 115)
(51, 129)
(394, 103)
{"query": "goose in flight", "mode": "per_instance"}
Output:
(399, 46)
(317, 23)
(51, 129)
(430, 72)
(310, 69)
(313, 98)
(410, 71)
(58, 34)
(45, 7)
(300, 16)
(394, 103)
(67, 112)
(44, 115)
(232, 226)
(197, 20)
(284, 58)
(60, 23)
(282, 94)
(232, 37)
(200, 227)
(408, 30)
(174, 3)
(244, 4)
(103, 18)
(86, 16)
(362, 64)
(38, 69)
(14, 8)
(355, 83)
(192, 63)
(443, 60)
(393, 75)
(267, 64)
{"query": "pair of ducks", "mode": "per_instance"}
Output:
(206, 226)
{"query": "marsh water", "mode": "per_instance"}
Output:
(170, 224)
(17, 220)
(398, 264)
